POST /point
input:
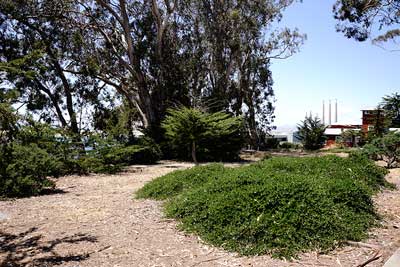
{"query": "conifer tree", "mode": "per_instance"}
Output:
(189, 127)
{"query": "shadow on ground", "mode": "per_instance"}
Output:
(29, 249)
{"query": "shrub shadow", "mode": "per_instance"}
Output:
(52, 191)
(28, 249)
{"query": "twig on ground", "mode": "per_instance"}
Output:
(99, 250)
(377, 255)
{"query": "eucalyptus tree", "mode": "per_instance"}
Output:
(134, 47)
(37, 43)
(161, 54)
(239, 44)
(363, 19)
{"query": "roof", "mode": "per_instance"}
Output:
(333, 131)
(369, 108)
(344, 126)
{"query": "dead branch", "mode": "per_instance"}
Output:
(377, 255)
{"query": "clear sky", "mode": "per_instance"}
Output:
(330, 66)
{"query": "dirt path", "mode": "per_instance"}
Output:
(95, 221)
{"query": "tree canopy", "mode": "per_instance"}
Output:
(192, 128)
(391, 105)
(70, 56)
(363, 19)
(311, 133)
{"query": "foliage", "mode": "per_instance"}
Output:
(26, 172)
(132, 155)
(37, 48)
(270, 143)
(311, 133)
(280, 206)
(74, 62)
(359, 18)
(289, 145)
(175, 183)
(208, 132)
(32, 152)
(385, 148)
(353, 138)
(117, 123)
(391, 105)
(157, 54)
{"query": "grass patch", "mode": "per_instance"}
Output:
(280, 206)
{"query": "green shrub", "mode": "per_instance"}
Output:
(26, 171)
(271, 143)
(176, 182)
(288, 145)
(135, 154)
(311, 133)
(280, 206)
(89, 164)
(386, 148)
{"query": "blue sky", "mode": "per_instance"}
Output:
(330, 66)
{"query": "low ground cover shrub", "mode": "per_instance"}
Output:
(176, 182)
(280, 206)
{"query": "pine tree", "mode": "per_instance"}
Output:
(189, 127)
(311, 133)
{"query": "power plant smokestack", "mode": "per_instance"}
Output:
(330, 112)
(323, 112)
(336, 112)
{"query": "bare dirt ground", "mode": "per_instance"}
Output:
(95, 221)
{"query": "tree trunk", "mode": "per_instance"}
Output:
(194, 153)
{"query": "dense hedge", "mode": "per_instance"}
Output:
(280, 206)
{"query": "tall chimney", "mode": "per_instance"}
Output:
(330, 112)
(336, 112)
(323, 112)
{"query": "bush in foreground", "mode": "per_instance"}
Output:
(280, 206)
(26, 170)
